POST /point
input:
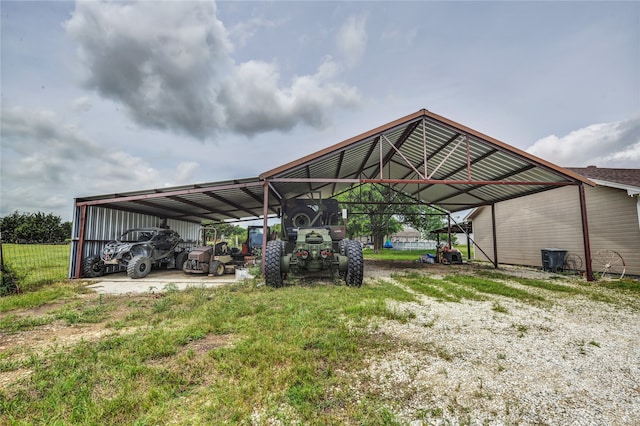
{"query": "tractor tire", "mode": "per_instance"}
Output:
(342, 249)
(180, 259)
(355, 270)
(139, 267)
(272, 271)
(216, 268)
(92, 267)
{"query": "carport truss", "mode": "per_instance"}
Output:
(436, 161)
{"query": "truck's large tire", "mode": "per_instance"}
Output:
(139, 267)
(92, 267)
(342, 249)
(355, 270)
(272, 271)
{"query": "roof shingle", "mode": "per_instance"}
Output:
(622, 176)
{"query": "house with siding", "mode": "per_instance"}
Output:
(552, 219)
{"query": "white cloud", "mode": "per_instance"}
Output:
(81, 104)
(352, 39)
(170, 64)
(46, 163)
(185, 171)
(246, 30)
(615, 145)
(255, 104)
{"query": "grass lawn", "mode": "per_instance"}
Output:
(408, 255)
(36, 264)
(240, 354)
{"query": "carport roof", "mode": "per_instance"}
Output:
(232, 200)
(435, 160)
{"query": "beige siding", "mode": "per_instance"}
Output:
(613, 224)
(551, 219)
(482, 235)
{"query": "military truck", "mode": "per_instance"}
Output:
(313, 243)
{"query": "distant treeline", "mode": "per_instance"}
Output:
(34, 228)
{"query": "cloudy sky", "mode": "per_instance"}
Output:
(105, 97)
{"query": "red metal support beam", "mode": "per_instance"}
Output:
(495, 239)
(167, 194)
(426, 181)
(424, 145)
(585, 233)
(83, 218)
(265, 219)
(468, 158)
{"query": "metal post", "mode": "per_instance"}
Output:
(265, 210)
(424, 145)
(83, 217)
(585, 233)
(495, 241)
(468, 158)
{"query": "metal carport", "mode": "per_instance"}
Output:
(433, 159)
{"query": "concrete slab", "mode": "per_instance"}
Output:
(156, 282)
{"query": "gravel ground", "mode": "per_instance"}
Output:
(572, 361)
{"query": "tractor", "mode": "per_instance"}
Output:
(218, 258)
(313, 243)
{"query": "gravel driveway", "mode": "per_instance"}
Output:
(573, 360)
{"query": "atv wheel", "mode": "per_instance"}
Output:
(139, 267)
(180, 259)
(216, 268)
(92, 267)
(272, 270)
(355, 271)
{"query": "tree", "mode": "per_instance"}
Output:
(371, 212)
(34, 228)
(378, 210)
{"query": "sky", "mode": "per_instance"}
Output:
(106, 97)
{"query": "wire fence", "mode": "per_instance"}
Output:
(27, 266)
(414, 245)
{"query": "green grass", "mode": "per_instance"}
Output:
(40, 297)
(408, 255)
(454, 288)
(36, 264)
(390, 254)
(494, 287)
(546, 285)
(438, 289)
(242, 354)
(277, 348)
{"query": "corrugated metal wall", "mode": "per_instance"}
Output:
(104, 224)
